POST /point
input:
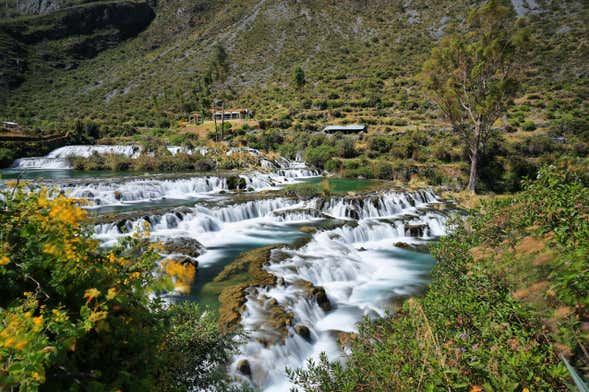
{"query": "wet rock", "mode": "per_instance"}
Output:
(236, 183)
(184, 245)
(316, 293)
(308, 229)
(303, 331)
(403, 245)
(243, 366)
(122, 225)
(423, 248)
(415, 230)
(118, 195)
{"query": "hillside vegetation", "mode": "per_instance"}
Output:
(508, 300)
(361, 61)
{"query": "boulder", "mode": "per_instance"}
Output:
(184, 245)
(316, 293)
(423, 248)
(303, 331)
(243, 367)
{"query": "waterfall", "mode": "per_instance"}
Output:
(88, 151)
(355, 264)
(282, 168)
(133, 191)
(42, 163)
(58, 158)
(388, 204)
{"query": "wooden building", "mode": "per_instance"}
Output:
(230, 114)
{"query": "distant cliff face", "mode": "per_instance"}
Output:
(38, 7)
(61, 38)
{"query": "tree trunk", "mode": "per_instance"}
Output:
(474, 159)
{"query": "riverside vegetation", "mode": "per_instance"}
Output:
(508, 297)
(67, 305)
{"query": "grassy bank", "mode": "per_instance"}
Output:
(508, 297)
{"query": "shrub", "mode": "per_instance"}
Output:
(380, 144)
(318, 156)
(529, 126)
(66, 304)
(384, 170)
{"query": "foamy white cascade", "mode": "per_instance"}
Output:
(357, 267)
(88, 151)
(42, 163)
(58, 158)
(356, 263)
(133, 191)
(120, 192)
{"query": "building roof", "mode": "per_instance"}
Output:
(228, 110)
(344, 128)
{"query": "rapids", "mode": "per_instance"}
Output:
(349, 250)
(356, 263)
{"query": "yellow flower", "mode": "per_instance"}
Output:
(38, 321)
(4, 260)
(90, 294)
(112, 292)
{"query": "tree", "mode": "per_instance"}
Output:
(299, 78)
(473, 74)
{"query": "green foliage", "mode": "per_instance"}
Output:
(318, 156)
(472, 74)
(529, 126)
(66, 305)
(299, 78)
(469, 332)
(303, 191)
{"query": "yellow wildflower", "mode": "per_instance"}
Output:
(90, 294)
(38, 321)
(4, 260)
(112, 292)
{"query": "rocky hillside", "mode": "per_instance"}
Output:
(129, 61)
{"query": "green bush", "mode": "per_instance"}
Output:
(75, 315)
(529, 126)
(318, 156)
(384, 170)
(469, 332)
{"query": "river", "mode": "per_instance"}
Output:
(349, 251)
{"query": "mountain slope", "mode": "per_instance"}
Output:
(358, 55)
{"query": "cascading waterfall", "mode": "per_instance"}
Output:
(355, 263)
(87, 151)
(115, 193)
(350, 255)
(357, 267)
(59, 158)
(104, 193)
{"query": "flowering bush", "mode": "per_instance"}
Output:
(72, 313)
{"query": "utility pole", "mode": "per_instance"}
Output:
(222, 119)
(213, 112)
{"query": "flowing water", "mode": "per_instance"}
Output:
(354, 261)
